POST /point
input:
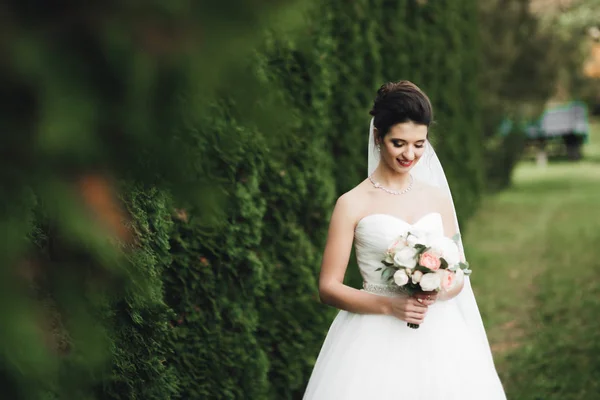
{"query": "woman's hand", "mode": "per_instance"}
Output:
(427, 298)
(408, 309)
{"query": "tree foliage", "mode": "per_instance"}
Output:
(520, 66)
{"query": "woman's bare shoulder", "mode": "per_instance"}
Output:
(352, 203)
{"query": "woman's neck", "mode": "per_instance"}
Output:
(391, 179)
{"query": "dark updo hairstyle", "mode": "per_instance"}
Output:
(398, 102)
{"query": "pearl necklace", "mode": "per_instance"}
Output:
(377, 185)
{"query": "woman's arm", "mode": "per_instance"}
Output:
(336, 256)
(335, 261)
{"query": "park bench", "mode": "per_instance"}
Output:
(560, 129)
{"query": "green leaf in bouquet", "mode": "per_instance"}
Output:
(465, 268)
(420, 247)
(422, 269)
(379, 269)
(387, 264)
(387, 274)
(412, 288)
(444, 263)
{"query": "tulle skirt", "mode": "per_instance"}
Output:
(378, 357)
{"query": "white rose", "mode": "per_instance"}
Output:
(398, 244)
(406, 258)
(418, 237)
(400, 277)
(412, 239)
(430, 282)
(416, 276)
(447, 249)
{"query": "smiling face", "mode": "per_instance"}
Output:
(403, 146)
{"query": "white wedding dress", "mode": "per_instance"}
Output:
(378, 357)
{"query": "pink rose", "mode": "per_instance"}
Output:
(448, 280)
(430, 260)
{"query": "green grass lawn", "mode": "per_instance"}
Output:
(535, 252)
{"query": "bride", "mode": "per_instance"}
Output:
(369, 352)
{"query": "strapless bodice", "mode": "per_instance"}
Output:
(375, 232)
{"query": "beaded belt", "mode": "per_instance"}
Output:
(382, 289)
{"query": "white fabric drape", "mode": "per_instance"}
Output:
(429, 170)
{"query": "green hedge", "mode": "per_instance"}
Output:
(216, 277)
(91, 92)
(245, 289)
(139, 319)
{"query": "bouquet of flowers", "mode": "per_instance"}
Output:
(420, 262)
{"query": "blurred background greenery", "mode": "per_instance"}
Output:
(168, 169)
(535, 246)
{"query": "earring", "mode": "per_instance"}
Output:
(378, 147)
